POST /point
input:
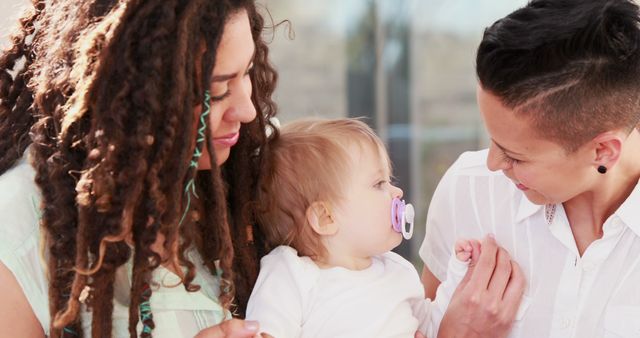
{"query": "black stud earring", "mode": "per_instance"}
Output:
(602, 169)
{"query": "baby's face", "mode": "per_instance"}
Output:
(364, 213)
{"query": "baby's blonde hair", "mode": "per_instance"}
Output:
(310, 162)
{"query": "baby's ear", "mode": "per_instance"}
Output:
(321, 219)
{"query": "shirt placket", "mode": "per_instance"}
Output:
(579, 273)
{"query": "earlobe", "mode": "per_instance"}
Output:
(321, 219)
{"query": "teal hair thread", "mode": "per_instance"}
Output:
(69, 331)
(36, 209)
(190, 187)
(145, 309)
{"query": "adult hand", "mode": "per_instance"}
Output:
(232, 328)
(487, 300)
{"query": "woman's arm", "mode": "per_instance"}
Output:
(487, 300)
(16, 316)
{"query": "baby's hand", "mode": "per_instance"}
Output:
(467, 250)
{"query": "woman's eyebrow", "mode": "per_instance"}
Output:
(505, 149)
(227, 77)
(223, 78)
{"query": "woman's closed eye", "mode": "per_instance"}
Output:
(227, 93)
(509, 159)
(222, 96)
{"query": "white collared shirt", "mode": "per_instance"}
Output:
(568, 296)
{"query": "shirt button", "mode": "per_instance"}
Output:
(565, 323)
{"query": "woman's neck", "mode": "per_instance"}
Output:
(588, 211)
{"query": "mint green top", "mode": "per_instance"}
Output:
(176, 312)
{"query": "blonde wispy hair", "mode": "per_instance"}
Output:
(309, 162)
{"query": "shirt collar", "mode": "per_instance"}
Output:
(629, 212)
(526, 209)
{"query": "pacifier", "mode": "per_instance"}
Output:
(401, 214)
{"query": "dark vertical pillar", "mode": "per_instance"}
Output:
(391, 19)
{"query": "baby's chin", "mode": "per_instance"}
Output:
(391, 243)
(396, 239)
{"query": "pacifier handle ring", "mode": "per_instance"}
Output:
(401, 214)
(408, 217)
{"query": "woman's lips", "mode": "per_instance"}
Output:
(228, 140)
(522, 187)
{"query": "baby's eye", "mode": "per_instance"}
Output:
(380, 183)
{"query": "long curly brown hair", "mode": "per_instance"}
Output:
(106, 96)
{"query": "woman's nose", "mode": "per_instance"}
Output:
(243, 109)
(495, 161)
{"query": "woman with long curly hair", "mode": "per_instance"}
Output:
(132, 136)
(109, 113)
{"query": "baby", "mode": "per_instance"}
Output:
(328, 204)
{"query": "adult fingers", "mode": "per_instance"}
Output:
(486, 263)
(501, 275)
(515, 289)
(233, 328)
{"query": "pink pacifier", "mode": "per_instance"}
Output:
(401, 214)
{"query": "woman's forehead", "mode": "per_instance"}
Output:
(236, 47)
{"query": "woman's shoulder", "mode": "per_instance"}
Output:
(472, 163)
(19, 206)
(471, 168)
(20, 235)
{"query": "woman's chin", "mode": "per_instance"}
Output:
(222, 155)
(536, 198)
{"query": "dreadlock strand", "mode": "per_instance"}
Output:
(218, 220)
(106, 110)
(207, 14)
(243, 169)
(15, 96)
